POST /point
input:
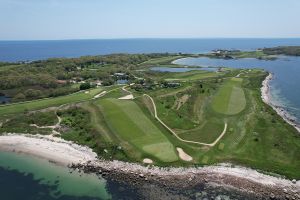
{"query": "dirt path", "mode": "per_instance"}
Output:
(125, 90)
(175, 134)
(53, 127)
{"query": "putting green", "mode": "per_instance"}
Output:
(127, 120)
(230, 99)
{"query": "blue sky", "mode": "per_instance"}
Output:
(88, 19)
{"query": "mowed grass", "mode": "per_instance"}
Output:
(230, 99)
(126, 119)
(49, 102)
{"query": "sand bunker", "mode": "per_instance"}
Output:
(127, 97)
(147, 161)
(100, 95)
(183, 156)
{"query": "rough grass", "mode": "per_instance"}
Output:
(127, 120)
(22, 123)
(230, 99)
(208, 132)
(97, 121)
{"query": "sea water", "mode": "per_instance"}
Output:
(36, 50)
(28, 177)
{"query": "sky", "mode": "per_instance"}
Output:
(105, 19)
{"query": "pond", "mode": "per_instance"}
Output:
(122, 81)
(4, 99)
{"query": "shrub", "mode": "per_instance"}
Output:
(85, 86)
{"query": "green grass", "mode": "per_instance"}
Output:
(230, 99)
(49, 102)
(128, 121)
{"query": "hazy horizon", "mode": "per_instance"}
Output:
(166, 38)
(152, 19)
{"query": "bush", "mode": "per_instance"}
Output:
(85, 86)
(19, 96)
(31, 93)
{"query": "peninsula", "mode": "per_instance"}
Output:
(141, 116)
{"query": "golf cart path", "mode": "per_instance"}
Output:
(179, 138)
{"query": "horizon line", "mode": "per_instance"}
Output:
(144, 38)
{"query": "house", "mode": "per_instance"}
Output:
(97, 83)
(173, 84)
(120, 74)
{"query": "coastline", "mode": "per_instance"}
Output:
(53, 149)
(267, 98)
(78, 157)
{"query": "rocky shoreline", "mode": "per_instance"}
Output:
(262, 186)
(81, 158)
(266, 97)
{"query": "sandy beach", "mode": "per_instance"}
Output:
(67, 153)
(266, 97)
(51, 148)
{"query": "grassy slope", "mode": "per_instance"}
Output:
(127, 120)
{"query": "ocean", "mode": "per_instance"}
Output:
(35, 50)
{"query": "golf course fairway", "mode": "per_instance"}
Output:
(127, 120)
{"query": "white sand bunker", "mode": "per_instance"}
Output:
(147, 161)
(183, 156)
(127, 97)
(100, 95)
